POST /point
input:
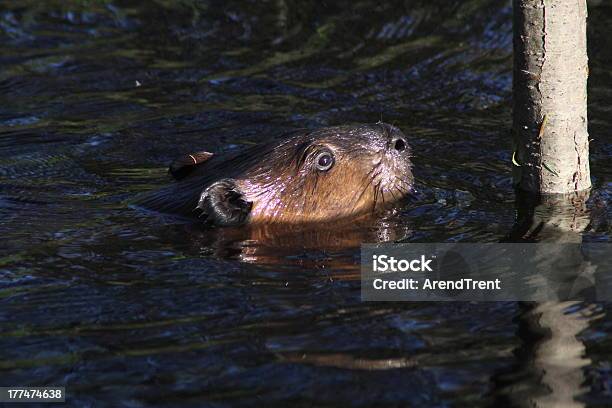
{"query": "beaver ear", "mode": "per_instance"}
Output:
(184, 165)
(224, 204)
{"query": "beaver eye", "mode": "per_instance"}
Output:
(324, 161)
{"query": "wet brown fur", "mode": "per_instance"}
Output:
(283, 185)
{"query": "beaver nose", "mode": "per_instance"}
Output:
(398, 143)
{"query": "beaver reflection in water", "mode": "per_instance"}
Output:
(328, 174)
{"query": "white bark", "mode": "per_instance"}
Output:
(551, 146)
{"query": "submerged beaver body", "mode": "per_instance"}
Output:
(312, 176)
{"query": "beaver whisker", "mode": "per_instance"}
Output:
(375, 199)
(401, 189)
(404, 190)
(393, 195)
(370, 178)
(378, 193)
(402, 182)
(384, 128)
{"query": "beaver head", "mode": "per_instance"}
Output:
(313, 176)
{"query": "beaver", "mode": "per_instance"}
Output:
(311, 176)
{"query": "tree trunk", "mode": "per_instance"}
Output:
(551, 144)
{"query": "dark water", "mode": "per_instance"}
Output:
(131, 309)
